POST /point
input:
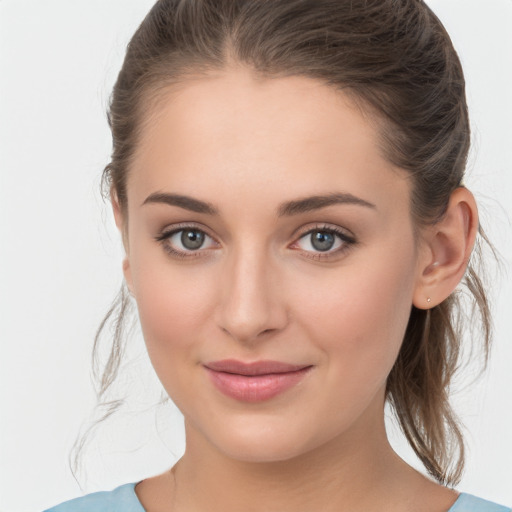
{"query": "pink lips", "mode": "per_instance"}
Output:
(254, 382)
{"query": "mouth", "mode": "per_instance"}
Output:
(254, 382)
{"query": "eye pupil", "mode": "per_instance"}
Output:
(322, 240)
(192, 239)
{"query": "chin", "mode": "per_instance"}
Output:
(263, 443)
(262, 452)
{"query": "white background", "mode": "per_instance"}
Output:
(60, 259)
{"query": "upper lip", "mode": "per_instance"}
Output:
(254, 368)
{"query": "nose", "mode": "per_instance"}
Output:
(251, 304)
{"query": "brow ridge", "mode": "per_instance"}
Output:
(289, 208)
(321, 201)
(182, 201)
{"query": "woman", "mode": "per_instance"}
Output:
(287, 178)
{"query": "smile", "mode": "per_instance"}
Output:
(254, 382)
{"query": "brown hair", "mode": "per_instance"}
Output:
(396, 59)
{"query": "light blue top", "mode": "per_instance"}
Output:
(124, 499)
(121, 499)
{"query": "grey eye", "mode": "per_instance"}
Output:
(192, 239)
(322, 240)
(186, 242)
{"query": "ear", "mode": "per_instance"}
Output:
(118, 214)
(446, 251)
(121, 224)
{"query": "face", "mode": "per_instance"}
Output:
(271, 253)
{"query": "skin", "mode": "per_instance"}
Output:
(258, 289)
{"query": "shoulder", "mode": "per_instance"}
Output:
(469, 503)
(121, 499)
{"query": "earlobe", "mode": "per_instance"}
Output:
(448, 246)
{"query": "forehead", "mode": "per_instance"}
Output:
(291, 135)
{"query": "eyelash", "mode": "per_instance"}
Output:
(165, 236)
(347, 241)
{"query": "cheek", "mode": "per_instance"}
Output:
(359, 316)
(173, 312)
(173, 304)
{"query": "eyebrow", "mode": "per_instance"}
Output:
(185, 202)
(287, 209)
(316, 202)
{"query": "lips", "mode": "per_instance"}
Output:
(256, 381)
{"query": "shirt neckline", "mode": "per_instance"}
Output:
(142, 509)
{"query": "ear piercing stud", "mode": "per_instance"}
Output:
(429, 299)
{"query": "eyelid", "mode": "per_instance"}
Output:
(347, 238)
(323, 226)
(168, 232)
(181, 226)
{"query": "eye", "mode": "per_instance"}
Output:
(190, 239)
(185, 241)
(324, 241)
(320, 241)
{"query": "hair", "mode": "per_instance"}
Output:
(396, 60)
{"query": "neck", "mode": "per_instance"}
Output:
(355, 471)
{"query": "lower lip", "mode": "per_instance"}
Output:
(255, 388)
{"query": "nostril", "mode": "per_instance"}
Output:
(247, 333)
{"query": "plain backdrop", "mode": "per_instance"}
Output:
(60, 259)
